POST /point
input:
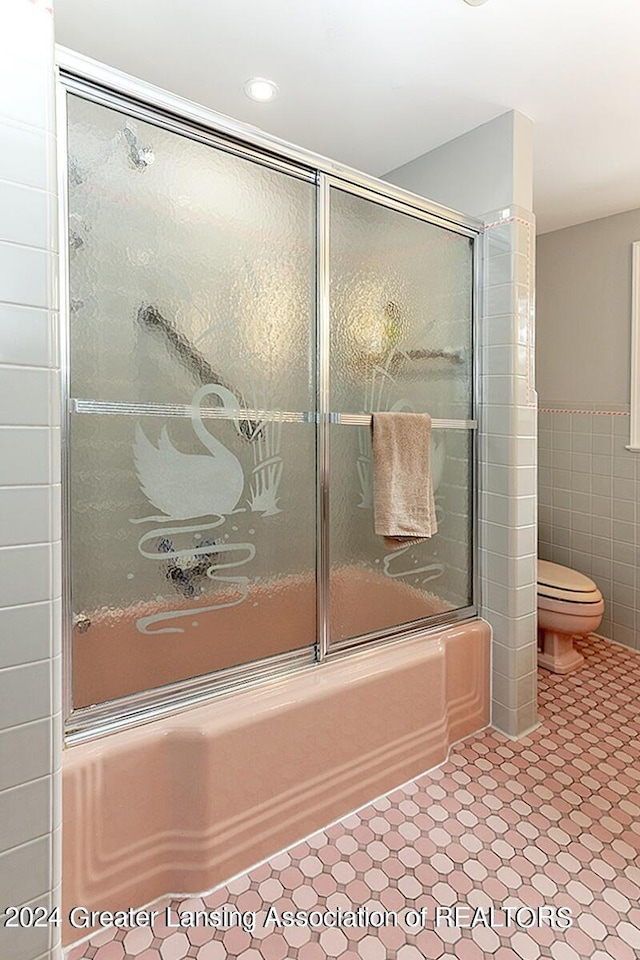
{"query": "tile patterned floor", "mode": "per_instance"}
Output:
(550, 820)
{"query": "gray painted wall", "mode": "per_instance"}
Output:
(589, 483)
(584, 310)
(486, 169)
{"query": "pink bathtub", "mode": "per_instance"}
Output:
(113, 659)
(182, 804)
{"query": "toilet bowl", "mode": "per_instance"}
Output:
(569, 605)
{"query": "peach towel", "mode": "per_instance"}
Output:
(404, 508)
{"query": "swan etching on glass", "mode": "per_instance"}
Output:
(187, 485)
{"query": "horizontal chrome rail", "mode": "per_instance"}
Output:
(124, 408)
(363, 419)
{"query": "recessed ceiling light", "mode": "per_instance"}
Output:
(261, 90)
(475, 3)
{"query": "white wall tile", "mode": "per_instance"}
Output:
(25, 455)
(21, 89)
(500, 269)
(514, 662)
(26, 335)
(25, 396)
(527, 716)
(30, 942)
(25, 693)
(501, 299)
(27, 155)
(29, 462)
(25, 515)
(25, 752)
(25, 575)
(504, 719)
(56, 685)
(508, 445)
(56, 626)
(28, 216)
(523, 481)
(513, 692)
(25, 812)
(25, 872)
(26, 276)
(56, 570)
(25, 634)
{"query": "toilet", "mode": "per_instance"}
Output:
(569, 605)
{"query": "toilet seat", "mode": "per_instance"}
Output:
(563, 585)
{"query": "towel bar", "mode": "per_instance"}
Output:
(124, 408)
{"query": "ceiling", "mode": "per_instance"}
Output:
(376, 83)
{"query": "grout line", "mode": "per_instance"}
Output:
(26, 186)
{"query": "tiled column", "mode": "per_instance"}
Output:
(508, 455)
(30, 728)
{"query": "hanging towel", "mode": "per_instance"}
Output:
(404, 508)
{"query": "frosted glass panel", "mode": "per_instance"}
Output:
(192, 282)
(188, 265)
(160, 599)
(401, 308)
(374, 588)
(401, 311)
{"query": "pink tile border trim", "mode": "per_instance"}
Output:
(590, 413)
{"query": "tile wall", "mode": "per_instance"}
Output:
(30, 729)
(588, 505)
(508, 456)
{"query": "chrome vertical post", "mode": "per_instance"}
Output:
(323, 564)
(63, 336)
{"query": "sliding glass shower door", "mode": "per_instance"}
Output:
(235, 315)
(401, 339)
(192, 296)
